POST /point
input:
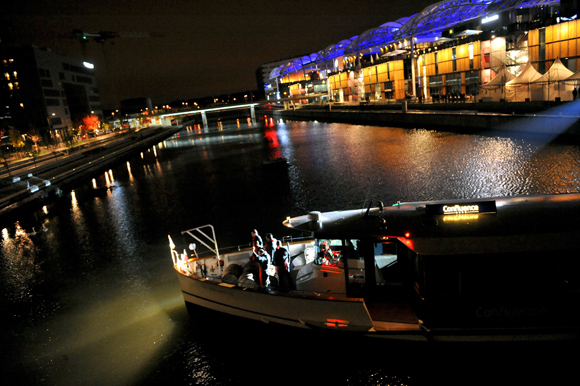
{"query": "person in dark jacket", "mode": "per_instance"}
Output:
(270, 244)
(281, 260)
(256, 242)
(264, 259)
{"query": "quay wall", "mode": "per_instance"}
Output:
(462, 118)
(61, 180)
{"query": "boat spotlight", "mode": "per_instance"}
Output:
(193, 247)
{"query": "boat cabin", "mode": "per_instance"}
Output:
(500, 263)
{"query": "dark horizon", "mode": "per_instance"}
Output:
(193, 50)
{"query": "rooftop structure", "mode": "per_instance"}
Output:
(442, 25)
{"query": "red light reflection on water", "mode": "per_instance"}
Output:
(271, 137)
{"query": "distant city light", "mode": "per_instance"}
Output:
(490, 18)
(88, 65)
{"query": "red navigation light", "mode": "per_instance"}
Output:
(407, 235)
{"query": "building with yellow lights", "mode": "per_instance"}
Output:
(461, 49)
(45, 91)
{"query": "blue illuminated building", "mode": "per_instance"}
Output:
(450, 48)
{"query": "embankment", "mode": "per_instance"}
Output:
(62, 176)
(559, 119)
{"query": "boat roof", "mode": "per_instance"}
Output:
(517, 224)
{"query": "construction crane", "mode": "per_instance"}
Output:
(102, 36)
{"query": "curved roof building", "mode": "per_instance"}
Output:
(374, 38)
(434, 19)
(428, 25)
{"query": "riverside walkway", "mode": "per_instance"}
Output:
(552, 118)
(35, 181)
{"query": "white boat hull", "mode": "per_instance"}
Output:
(285, 309)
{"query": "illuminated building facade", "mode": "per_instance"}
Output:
(45, 91)
(451, 48)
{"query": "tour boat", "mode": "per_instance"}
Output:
(496, 269)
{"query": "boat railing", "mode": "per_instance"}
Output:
(240, 247)
(199, 234)
(205, 235)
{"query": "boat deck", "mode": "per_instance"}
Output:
(387, 315)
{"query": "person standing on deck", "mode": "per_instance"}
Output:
(264, 259)
(270, 244)
(256, 241)
(281, 260)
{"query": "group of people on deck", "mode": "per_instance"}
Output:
(273, 258)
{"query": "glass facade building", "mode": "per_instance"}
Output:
(450, 49)
(46, 91)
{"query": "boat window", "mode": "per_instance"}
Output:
(387, 266)
(343, 254)
(328, 252)
(334, 251)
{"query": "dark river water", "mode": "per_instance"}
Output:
(89, 295)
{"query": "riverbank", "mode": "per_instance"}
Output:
(554, 118)
(40, 184)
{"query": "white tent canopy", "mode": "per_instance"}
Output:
(494, 90)
(553, 85)
(574, 77)
(523, 86)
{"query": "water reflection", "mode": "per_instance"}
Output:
(20, 267)
(113, 310)
(396, 164)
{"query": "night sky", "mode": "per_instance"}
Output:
(197, 48)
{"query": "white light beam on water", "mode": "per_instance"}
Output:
(552, 122)
(118, 336)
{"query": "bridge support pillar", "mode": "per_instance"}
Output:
(204, 119)
(253, 113)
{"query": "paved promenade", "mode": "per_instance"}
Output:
(552, 118)
(32, 182)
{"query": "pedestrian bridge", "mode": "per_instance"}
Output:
(204, 112)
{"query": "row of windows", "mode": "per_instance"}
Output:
(55, 121)
(51, 93)
(48, 82)
(77, 69)
(44, 73)
(83, 79)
